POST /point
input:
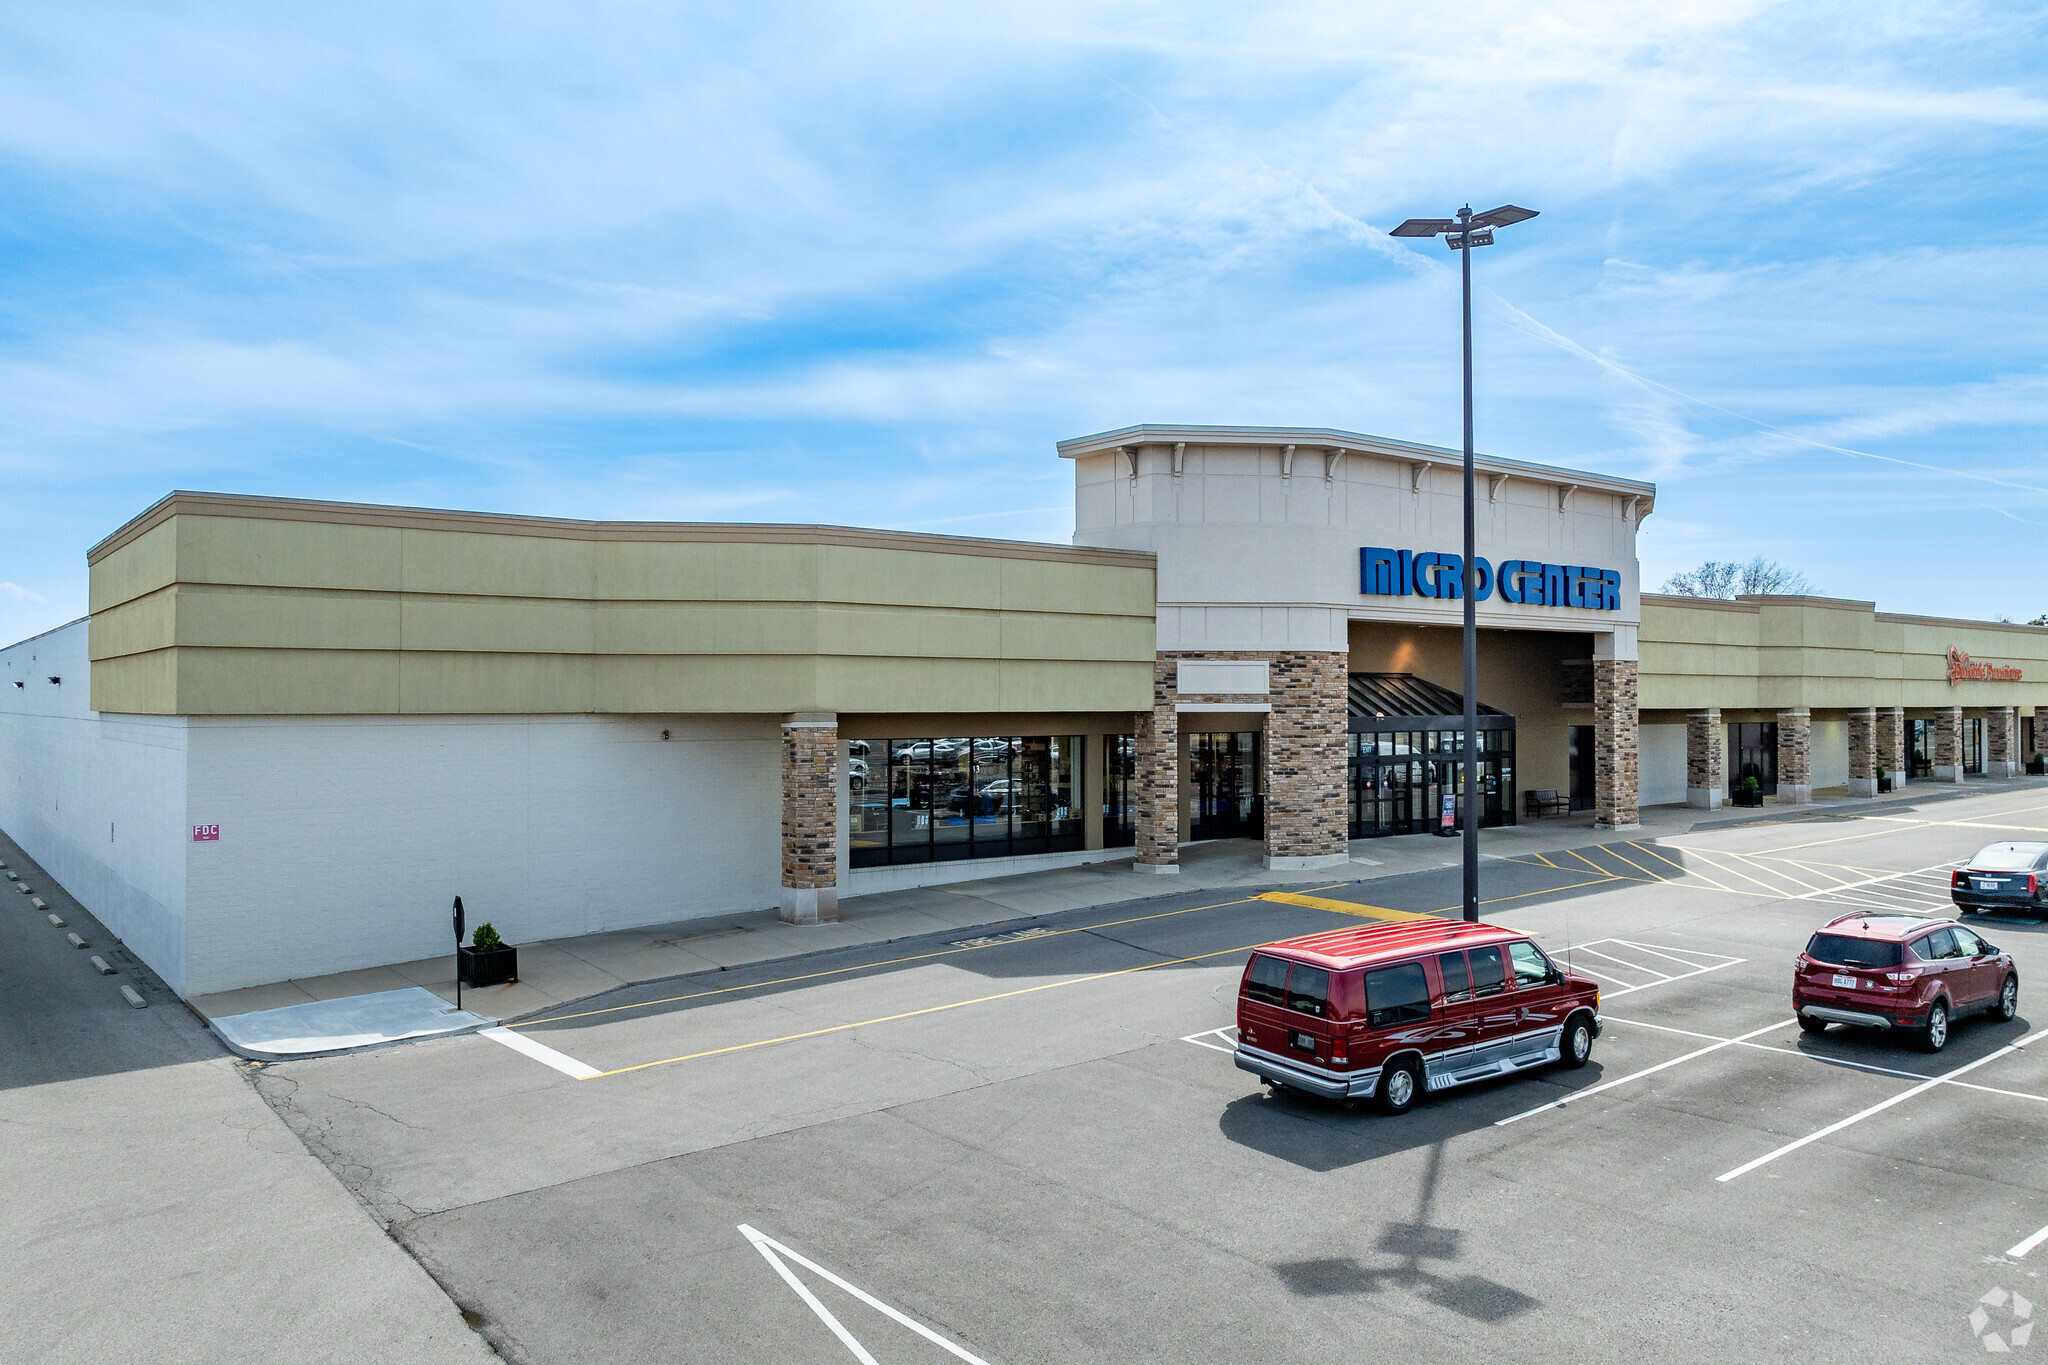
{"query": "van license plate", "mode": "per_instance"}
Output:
(1305, 1041)
(1847, 983)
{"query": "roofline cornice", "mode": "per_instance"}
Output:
(1152, 434)
(249, 507)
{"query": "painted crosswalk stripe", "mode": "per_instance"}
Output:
(541, 1052)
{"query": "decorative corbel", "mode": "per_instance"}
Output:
(1493, 486)
(1628, 513)
(1564, 497)
(1331, 459)
(1415, 473)
(1130, 453)
(1286, 462)
(1180, 450)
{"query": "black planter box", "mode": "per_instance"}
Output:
(487, 966)
(1743, 798)
(1888, 782)
(2038, 766)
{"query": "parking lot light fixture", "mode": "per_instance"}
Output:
(1461, 234)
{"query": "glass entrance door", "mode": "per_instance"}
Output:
(1399, 779)
(1229, 796)
(1756, 754)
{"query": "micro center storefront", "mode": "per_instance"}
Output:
(1309, 611)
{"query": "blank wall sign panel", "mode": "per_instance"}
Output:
(1234, 677)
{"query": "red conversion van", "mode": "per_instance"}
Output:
(1389, 1010)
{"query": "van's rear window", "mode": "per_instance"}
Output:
(1396, 995)
(1267, 980)
(1308, 990)
(1845, 951)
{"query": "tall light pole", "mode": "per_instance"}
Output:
(1461, 234)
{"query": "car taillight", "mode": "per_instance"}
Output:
(1337, 1054)
(1956, 878)
(2033, 884)
(1902, 978)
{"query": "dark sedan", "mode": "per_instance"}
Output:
(2003, 877)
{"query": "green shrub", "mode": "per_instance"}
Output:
(485, 939)
(1750, 784)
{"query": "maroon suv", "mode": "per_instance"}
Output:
(1901, 972)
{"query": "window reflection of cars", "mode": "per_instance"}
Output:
(857, 746)
(857, 769)
(989, 797)
(994, 748)
(924, 750)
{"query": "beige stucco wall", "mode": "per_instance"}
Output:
(1765, 653)
(216, 606)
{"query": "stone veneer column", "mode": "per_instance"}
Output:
(810, 819)
(1891, 745)
(1158, 777)
(1616, 737)
(1706, 768)
(1948, 745)
(1307, 812)
(2001, 742)
(1795, 757)
(1863, 757)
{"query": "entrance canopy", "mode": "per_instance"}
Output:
(1402, 701)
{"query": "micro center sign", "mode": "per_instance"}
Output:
(1962, 668)
(1524, 582)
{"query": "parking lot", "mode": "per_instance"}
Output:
(1032, 1144)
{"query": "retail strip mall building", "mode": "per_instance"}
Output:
(290, 732)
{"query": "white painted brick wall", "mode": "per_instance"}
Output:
(1660, 765)
(1830, 753)
(344, 840)
(98, 800)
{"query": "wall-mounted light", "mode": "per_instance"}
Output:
(664, 734)
(19, 683)
(54, 680)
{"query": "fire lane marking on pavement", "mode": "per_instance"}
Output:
(775, 1251)
(541, 1053)
(1838, 1125)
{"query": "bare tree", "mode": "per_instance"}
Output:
(1726, 578)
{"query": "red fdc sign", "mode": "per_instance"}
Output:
(202, 834)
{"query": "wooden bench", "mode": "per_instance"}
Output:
(1544, 802)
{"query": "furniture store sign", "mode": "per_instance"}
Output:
(1524, 582)
(1962, 668)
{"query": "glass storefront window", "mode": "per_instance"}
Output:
(1119, 791)
(950, 798)
(1400, 777)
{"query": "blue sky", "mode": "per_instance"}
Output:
(866, 265)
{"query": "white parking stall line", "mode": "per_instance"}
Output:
(1228, 1033)
(1634, 966)
(1878, 1108)
(775, 1251)
(1623, 982)
(541, 1052)
(1930, 870)
(1646, 1071)
(2024, 1247)
(1691, 958)
(1820, 1060)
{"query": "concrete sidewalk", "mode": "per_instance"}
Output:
(560, 970)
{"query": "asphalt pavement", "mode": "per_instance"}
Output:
(153, 1207)
(1033, 1146)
